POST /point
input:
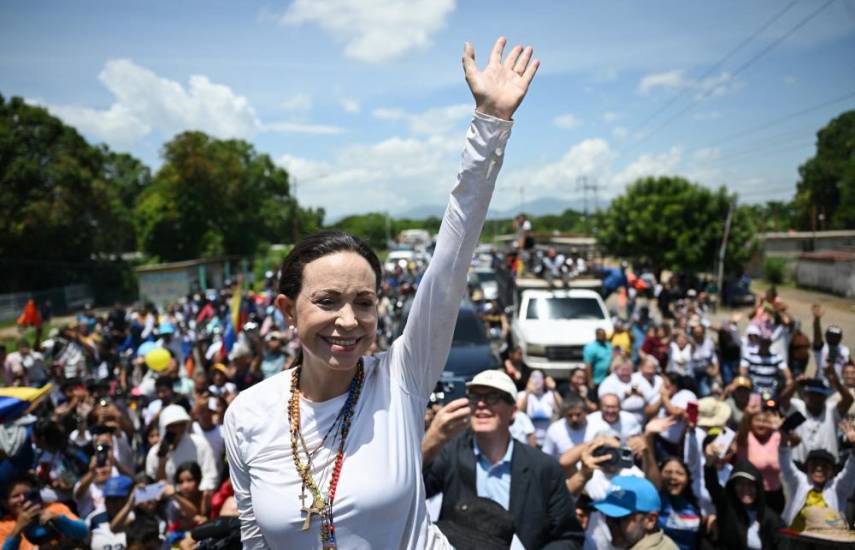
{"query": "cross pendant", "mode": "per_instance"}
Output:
(308, 511)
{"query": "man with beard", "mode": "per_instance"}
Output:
(631, 508)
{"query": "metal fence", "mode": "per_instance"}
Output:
(62, 300)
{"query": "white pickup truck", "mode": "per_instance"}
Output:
(553, 325)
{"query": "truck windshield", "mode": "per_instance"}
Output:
(564, 308)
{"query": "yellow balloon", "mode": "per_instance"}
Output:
(157, 359)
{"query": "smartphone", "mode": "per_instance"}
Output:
(792, 422)
(34, 496)
(723, 441)
(452, 388)
(692, 412)
(101, 455)
(149, 492)
(754, 400)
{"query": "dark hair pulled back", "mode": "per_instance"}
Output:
(317, 246)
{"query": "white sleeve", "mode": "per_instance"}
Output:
(251, 536)
(420, 354)
(151, 462)
(205, 456)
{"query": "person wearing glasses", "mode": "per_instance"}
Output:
(468, 451)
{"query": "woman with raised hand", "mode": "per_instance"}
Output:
(327, 453)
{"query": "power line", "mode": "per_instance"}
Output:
(718, 64)
(772, 45)
(782, 119)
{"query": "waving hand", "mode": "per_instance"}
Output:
(501, 86)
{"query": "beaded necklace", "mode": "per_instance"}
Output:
(321, 506)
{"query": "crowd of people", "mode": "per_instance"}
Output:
(734, 433)
(740, 431)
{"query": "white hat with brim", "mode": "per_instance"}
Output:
(497, 380)
(172, 414)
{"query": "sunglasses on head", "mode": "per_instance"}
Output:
(491, 398)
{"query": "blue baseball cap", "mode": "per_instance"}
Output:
(166, 328)
(119, 486)
(628, 495)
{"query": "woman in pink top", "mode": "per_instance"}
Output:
(757, 442)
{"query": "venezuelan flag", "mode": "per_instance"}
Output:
(15, 402)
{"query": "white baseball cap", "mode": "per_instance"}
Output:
(495, 379)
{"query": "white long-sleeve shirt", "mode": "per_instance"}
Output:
(797, 485)
(380, 499)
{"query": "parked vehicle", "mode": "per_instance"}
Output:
(552, 326)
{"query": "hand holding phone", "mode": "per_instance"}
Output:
(148, 492)
(792, 422)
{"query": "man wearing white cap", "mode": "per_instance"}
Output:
(485, 461)
(177, 446)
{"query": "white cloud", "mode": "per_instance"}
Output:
(706, 154)
(610, 116)
(620, 133)
(299, 103)
(350, 105)
(301, 128)
(712, 86)
(671, 79)
(567, 121)
(396, 174)
(374, 31)
(650, 166)
(144, 102)
(438, 120)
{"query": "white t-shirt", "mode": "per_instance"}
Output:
(214, 437)
(679, 359)
(380, 499)
(816, 432)
(521, 427)
(632, 403)
(597, 536)
(102, 537)
(191, 448)
(560, 437)
(821, 357)
(541, 409)
(625, 427)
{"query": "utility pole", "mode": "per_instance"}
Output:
(721, 252)
(585, 185)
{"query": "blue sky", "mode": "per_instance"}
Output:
(365, 103)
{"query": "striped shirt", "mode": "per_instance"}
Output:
(764, 371)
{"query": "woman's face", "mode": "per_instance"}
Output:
(336, 310)
(153, 437)
(17, 497)
(186, 484)
(578, 378)
(760, 426)
(746, 491)
(674, 478)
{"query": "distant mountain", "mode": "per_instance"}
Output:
(536, 207)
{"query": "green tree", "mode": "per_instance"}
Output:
(371, 227)
(62, 214)
(670, 223)
(214, 197)
(774, 215)
(825, 193)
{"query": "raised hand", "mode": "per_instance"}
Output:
(500, 88)
(817, 310)
(658, 425)
(848, 430)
